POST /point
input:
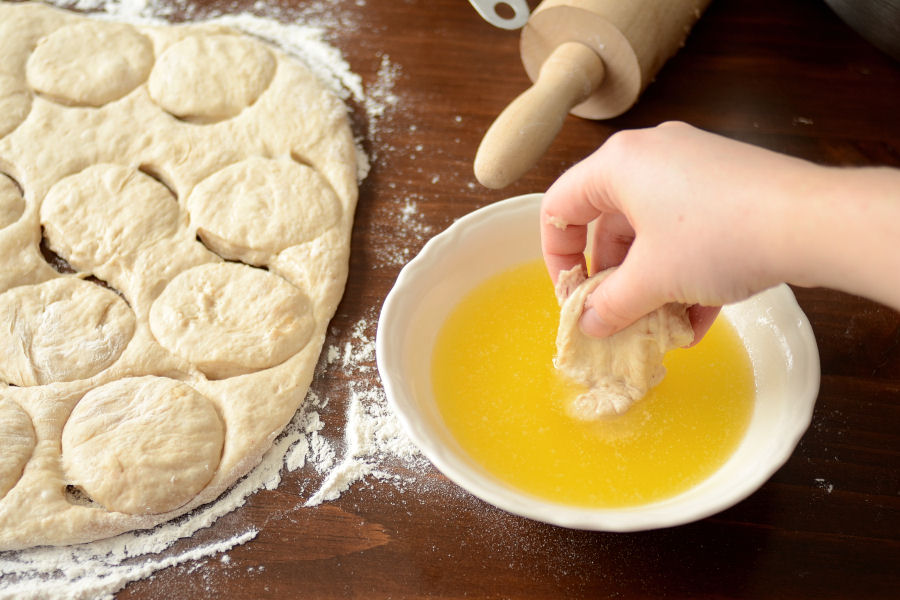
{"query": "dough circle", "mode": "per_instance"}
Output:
(12, 205)
(210, 78)
(15, 103)
(90, 64)
(290, 203)
(17, 440)
(229, 319)
(618, 370)
(142, 445)
(61, 330)
(106, 212)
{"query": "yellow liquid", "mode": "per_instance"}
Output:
(502, 399)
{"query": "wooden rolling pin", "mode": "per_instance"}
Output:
(592, 58)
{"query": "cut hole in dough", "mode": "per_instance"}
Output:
(251, 210)
(61, 266)
(208, 78)
(618, 370)
(75, 495)
(229, 319)
(155, 173)
(57, 262)
(90, 63)
(298, 158)
(17, 440)
(105, 285)
(142, 445)
(61, 330)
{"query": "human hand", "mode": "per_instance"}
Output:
(689, 216)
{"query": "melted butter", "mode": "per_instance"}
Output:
(500, 396)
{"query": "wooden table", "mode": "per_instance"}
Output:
(786, 75)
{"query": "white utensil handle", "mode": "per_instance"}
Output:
(487, 10)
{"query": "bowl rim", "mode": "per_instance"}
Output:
(653, 515)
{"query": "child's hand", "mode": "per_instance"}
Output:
(691, 217)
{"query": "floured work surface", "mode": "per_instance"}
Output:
(198, 187)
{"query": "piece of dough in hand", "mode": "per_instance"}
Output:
(618, 370)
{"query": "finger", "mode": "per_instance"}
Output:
(613, 237)
(566, 209)
(701, 318)
(620, 300)
(561, 253)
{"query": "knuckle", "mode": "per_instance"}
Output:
(621, 142)
(673, 124)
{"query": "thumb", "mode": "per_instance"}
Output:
(622, 298)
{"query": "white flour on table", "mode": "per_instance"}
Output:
(369, 445)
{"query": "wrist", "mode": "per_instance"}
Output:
(792, 224)
(843, 232)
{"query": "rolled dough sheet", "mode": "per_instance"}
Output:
(147, 381)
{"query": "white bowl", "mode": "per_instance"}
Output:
(772, 326)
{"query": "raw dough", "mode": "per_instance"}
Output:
(107, 214)
(211, 77)
(142, 445)
(230, 319)
(621, 369)
(17, 441)
(61, 330)
(294, 202)
(90, 64)
(12, 205)
(153, 377)
(15, 102)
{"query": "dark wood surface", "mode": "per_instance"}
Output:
(784, 74)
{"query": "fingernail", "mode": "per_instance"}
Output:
(593, 325)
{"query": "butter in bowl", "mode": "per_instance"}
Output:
(465, 346)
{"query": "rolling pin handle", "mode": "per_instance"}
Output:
(527, 127)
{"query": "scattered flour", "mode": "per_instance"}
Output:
(400, 244)
(822, 484)
(373, 436)
(370, 444)
(381, 96)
